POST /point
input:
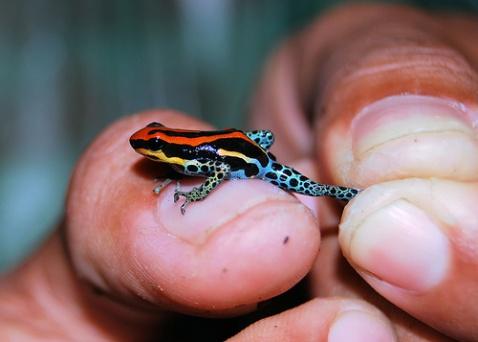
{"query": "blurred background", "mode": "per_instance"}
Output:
(70, 68)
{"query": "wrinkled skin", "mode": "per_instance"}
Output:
(378, 97)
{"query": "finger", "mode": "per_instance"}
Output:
(399, 101)
(44, 300)
(411, 241)
(405, 105)
(246, 242)
(322, 320)
(285, 100)
(332, 276)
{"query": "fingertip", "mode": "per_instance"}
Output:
(332, 319)
(226, 259)
(360, 326)
(138, 246)
(398, 241)
(409, 240)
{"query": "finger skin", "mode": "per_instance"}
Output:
(318, 319)
(445, 301)
(44, 300)
(247, 242)
(410, 57)
(332, 276)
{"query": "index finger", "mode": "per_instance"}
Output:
(246, 242)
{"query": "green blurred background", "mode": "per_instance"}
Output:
(70, 68)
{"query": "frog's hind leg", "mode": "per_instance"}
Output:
(216, 171)
(289, 179)
(264, 138)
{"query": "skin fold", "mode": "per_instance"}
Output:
(376, 97)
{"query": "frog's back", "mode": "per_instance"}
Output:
(232, 146)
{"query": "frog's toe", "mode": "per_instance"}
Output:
(161, 184)
(183, 207)
(177, 194)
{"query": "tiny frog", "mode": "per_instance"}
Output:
(224, 154)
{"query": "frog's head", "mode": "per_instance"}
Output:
(149, 141)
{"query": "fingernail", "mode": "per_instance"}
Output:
(399, 244)
(398, 116)
(202, 218)
(360, 326)
(414, 133)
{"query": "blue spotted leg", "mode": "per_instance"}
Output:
(215, 171)
(289, 179)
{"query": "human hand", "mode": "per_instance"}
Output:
(390, 94)
(124, 257)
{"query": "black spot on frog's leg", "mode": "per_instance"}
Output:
(271, 156)
(276, 166)
(271, 175)
(196, 167)
(192, 168)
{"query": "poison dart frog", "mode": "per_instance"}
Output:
(224, 154)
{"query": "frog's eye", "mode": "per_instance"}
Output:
(155, 124)
(155, 144)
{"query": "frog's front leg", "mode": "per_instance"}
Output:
(216, 171)
(170, 175)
